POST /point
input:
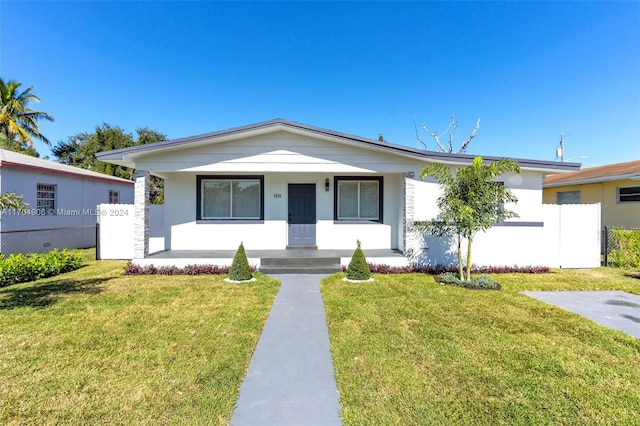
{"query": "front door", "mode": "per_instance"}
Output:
(302, 214)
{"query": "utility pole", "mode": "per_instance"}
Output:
(560, 151)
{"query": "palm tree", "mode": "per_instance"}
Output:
(17, 119)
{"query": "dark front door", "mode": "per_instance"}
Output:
(302, 214)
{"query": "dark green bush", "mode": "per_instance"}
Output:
(18, 268)
(626, 251)
(240, 269)
(358, 269)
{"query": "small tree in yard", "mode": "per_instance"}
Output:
(358, 268)
(471, 201)
(240, 269)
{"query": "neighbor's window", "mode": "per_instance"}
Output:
(568, 197)
(46, 199)
(230, 197)
(630, 194)
(358, 198)
(114, 197)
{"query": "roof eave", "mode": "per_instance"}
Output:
(127, 156)
(632, 176)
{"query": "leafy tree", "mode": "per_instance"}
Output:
(17, 146)
(80, 151)
(12, 201)
(18, 121)
(471, 201)
(240, 269)
(358, 268)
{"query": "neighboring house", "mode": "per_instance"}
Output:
(615, 186)
(280, 184)
(61, 200)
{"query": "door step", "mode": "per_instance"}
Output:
(300, 265)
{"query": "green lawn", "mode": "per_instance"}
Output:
(409, 351)
(96, 347)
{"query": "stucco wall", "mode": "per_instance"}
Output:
(182, 232)
(76, 203)
(626, 215)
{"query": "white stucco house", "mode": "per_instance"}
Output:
(279, 184)
(61, 200)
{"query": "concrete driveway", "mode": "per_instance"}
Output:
(614, 309)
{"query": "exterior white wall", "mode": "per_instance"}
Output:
(116, 230)
(277, 152)
(76, 204)
(183, 232)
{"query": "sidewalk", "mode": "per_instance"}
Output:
(290, 379)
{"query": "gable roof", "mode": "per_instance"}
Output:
(127, 156)
(16, 160)
(617, 171)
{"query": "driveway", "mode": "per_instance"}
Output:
(615, 309)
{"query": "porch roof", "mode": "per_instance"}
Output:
(129, 156)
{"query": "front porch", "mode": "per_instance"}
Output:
(275, 261)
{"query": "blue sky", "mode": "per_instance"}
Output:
(529, 70)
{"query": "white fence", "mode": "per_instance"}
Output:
(115, 238)
(565, 236)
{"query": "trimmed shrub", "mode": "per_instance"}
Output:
(240, 269)
(18, 268)
(358, 268)
(132, 269)
(378, 268)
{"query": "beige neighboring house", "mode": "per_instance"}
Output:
(615, 186)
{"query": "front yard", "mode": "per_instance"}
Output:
(96, 347)
(409, 351)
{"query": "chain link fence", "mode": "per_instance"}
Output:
(43, 240)
(621, 247)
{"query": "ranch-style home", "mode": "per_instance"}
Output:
(278, 185)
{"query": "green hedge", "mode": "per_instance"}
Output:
(18, 268)
(626, 249)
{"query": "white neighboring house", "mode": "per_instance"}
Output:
(62, 203)
(279, 184)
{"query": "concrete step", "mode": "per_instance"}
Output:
(300, 261)
(298, 270)
(300, 265)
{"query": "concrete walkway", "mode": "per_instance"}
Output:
(616, 309)
(290, 379)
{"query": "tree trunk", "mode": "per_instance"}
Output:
(469, 259)
(460, 271)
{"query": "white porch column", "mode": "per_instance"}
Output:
(408, 236)
(141, 215)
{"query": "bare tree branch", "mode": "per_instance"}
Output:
(417, 135)
(453, 128)
(434, 135)
(464, 145)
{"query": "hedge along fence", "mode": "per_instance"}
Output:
(622, 248)
(18, 268)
